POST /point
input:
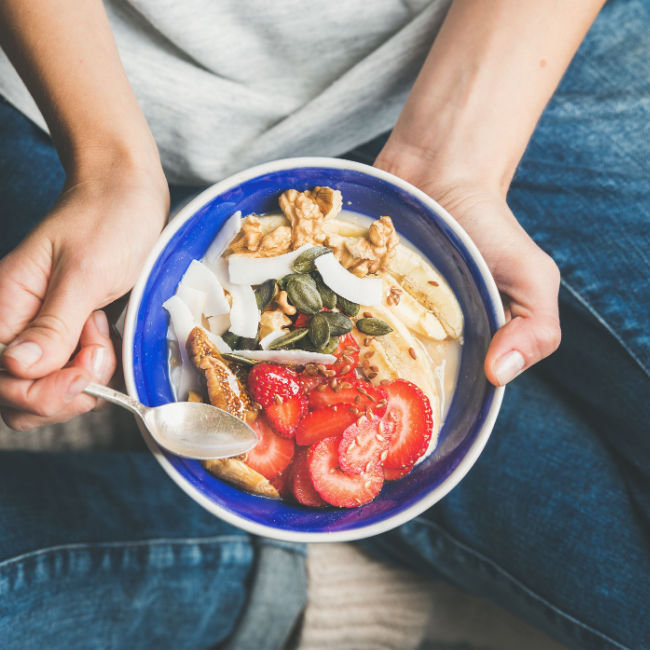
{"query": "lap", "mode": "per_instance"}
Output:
(101, 549)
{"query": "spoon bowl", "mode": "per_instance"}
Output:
(189, 429)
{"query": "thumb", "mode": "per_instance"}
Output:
(533, 332)
(50, 339)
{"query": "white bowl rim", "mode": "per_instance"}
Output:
(189, 209)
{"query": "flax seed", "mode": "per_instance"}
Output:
(334, 383)
(396, 299)
(367, 341)
(371, 375)
(374, 368)
(346, 369)
(367, 314)
(381, 404)
(347, 358)
(330, 373)
(321, 388)
(369, 413)
(412, 353)
(368, 354)
(433, 283)
(353, 411)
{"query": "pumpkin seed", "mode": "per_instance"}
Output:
(235, 358)
(265, 292)
(339, 324)
(319, 330)
(373, 326)
(330, 346)
(283, 281)
(348, 307)
(231, 339)
(286, 340)
(303, 294)
(304, 263)
(247, 344)
(327, 295)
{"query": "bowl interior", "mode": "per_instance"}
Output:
(419, 221)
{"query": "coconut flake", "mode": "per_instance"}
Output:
(270, 337)
(182, 323)
(219, 324)
(193, 299)
(296, 357)
(223, 238)
(244, 313)
(199, 277)
(363, 291)
(255, 270)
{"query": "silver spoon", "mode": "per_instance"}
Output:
(189, 429)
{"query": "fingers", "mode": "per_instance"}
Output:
(533, 331)
(58, 396)
(49, 340)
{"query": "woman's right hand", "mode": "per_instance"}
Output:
(85, 254)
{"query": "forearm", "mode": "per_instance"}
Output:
(488, 77)
(66, 55)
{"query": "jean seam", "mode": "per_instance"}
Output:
(596, 314)
(161, 541)
(517, 583)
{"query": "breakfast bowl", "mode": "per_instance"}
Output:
(469, 414)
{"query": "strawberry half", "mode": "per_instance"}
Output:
(302, 320)
(363, 445)
(347, 355)
(310, 382)
(285, 414)
(323, 423)
(301, 485)
(394, 474)
(272, 454)
(282, 482)
(357, 393)
(409, 412)
(267, 382)
(336, 487)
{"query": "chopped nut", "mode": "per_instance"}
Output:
(270, 321)
(307, 211)
(276, 242)
(249, 237)
(281, 300)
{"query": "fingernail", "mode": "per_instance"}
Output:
(26, 353)
(75, 387)
(101, 323)
(509, 366)
(99, 355)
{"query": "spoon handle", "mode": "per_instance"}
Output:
(121, 399)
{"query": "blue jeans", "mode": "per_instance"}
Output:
(553, 522)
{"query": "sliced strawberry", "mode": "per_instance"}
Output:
(323, 423)
(395, 474)
(357, 393)
(310, 382)
(282, 482)
(363, 445)
(410, 412)
(333, 485)
(285, 414)
(302, 321)
(347, 355)
(269, 382)
(272, 454)
(301, 486)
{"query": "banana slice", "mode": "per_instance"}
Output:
(237, 472)
(428, 287)
(411, 312)
(400, 354)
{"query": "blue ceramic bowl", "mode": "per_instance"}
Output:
(371, 192)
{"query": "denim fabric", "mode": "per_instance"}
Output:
(553, 522)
